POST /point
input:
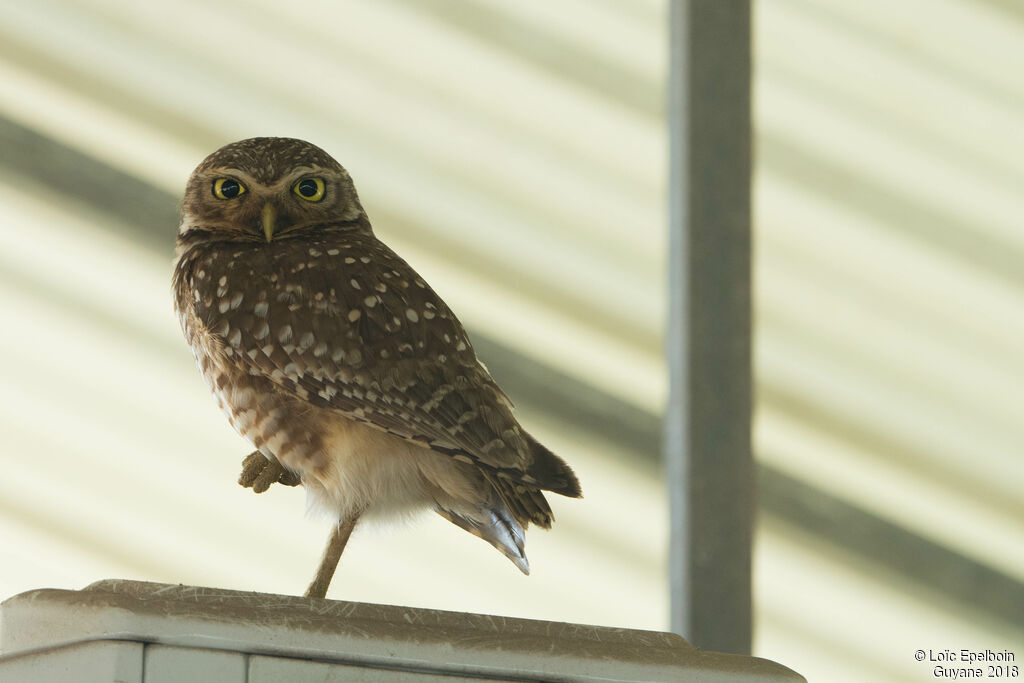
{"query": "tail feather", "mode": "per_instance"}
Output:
(515, 501)
(551, 473)
(526, 503)
(498, 528)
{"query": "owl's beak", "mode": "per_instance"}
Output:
(267, 219)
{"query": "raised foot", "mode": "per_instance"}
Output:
(258, 473)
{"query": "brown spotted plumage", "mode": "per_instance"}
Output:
(338, 362)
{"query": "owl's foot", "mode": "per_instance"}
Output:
(258, 473)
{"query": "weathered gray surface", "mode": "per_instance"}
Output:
(277, 669)
(103, 660)
(232, 632)
(168, 664)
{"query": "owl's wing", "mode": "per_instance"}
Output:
(353, 328)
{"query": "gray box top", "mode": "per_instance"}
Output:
(380, 636)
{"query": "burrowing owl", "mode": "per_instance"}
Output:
(338, 362)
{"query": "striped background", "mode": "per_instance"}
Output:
(514, 153)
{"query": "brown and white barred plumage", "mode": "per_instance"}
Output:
(334, 358)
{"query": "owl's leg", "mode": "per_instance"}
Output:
(258, 473)
(332, 553)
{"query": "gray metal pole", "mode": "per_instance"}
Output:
(707, 423)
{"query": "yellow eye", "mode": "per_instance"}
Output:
(227, 188)
(310, 189)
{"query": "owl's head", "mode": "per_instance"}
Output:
(265, 189)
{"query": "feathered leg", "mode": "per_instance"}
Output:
(258, 473)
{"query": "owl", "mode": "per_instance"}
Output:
(339, 363)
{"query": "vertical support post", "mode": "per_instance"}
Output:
(707, 424)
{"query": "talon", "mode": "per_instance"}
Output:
(252, 465)
(271, 473)
(258, 473)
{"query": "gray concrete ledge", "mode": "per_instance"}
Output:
(149, 632)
